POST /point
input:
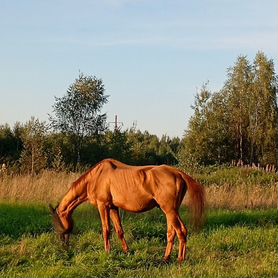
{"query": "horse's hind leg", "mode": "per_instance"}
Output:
(171, 234)
(183, 227)
(174, 219)
(115, 217)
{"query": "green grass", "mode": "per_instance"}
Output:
(231, 244)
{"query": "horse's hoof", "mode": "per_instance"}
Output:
(166, 260)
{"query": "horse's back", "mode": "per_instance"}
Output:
(139, 188)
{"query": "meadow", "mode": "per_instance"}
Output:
(238, 239)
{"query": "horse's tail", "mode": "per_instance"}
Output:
(196, 200)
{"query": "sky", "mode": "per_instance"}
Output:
(152, 56)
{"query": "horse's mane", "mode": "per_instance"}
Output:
(83, 176)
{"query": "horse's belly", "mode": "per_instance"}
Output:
(134, 204)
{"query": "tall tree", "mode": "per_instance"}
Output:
(263, 131)
(33, 157)
(78, 113)
(195, 142)
(238, 122)
(206, 141)
(238, 88)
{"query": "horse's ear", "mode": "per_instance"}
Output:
(52, 210)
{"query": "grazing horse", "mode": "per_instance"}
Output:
(111, 185)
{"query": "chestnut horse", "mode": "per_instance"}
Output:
(111, 185)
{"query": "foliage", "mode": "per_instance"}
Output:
(263, 128)
(10, 143)
(33, 157)
(77, 114)
(56, 149)
(118, 146)
(147, 148)
(237, 123)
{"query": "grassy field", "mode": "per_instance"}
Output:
(231, 244)
(239, 238)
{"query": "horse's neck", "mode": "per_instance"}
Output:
(76, 195)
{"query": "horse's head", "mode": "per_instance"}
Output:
(63, 224)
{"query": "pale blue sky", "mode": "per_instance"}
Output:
(151, 55)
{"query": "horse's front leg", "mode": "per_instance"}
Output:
(104, 216)
(115, 217)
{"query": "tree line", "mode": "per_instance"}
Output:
(237, 123)
(77, 136)
(34, 146)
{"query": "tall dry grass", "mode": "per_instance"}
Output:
(241, 196)
(239, 187)
(47, 187)
(240, 192)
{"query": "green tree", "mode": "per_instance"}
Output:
(238, 88)
(10, 143)
(238, 122)
(78, 113)
(263, 130)
(147, 148)
(118, 145)
(168, 150)
(144, 147)
(33, 157)
(195, 143)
